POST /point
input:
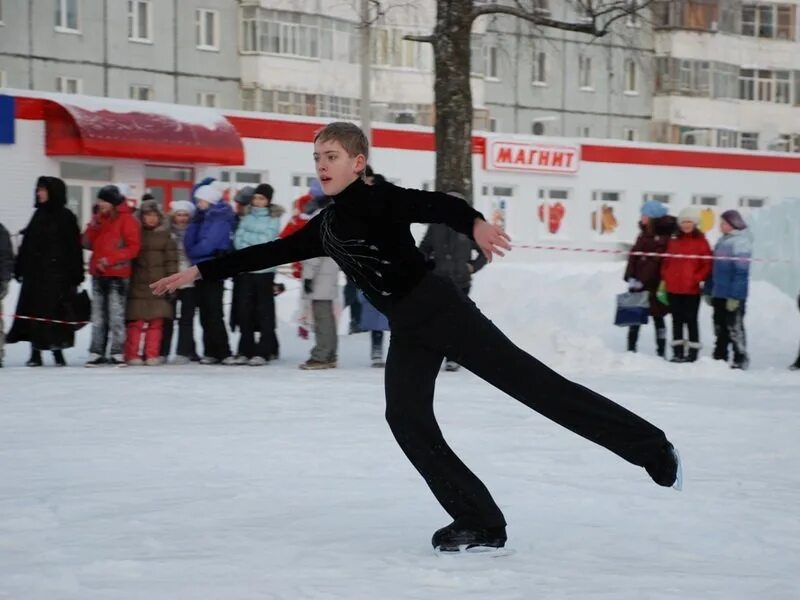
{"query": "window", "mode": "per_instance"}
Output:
(585, 72)
(539, 68)
(140, 92)
(552, 212)
(492, 66)
(493, 124)
(389, 49)
(748, 140)
(67, 17)
(207, 99)
(243, 177)
(752, 202)
(747, 84)
(476, 55)
(86, 171)
(629, 134)
(207, 29)
(630, 76)
(68, 85)
(658, 197)
(765, 85)
(783, 87)
(774, 21)
(703, 200)
(584, 131)
(726, 138)
(2, 79)
(140, 22)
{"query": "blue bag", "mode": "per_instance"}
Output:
(633, 308)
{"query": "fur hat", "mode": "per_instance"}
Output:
(151, 206)
(690, 213)
(181, 206)
(734, 219)
(654, 209)
(110, 194)
(264, 189)
(210, 193)
(244, 195)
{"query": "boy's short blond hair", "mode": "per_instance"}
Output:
(349, 135)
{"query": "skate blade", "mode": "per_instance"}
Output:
(463, 550)
(678, 485)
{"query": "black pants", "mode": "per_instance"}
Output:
(184, 307)
(437, 320)
(209, 300)
(661, 335)
(684, 309)
(256, 306)
(729, 331)
(351, 300)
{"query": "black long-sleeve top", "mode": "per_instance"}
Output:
(366, 231)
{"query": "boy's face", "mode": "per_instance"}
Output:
(150, 220)
(103, 207)
(180, 218)
(724, 226)
(686, 226)
(259, 201)
(335, 168)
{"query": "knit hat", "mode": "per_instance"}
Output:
(244, 195)
(315, 188)
(210, 193)
(181, 206)
(734, 219)
(110, 194)
(654, 209)
(151, 206)
(264, 189)
(690, 213)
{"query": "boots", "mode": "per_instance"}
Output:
(677, 351)
(58, 356)
(694, 350)
(460, 536)
(35, 360)
(633, 337)
(661, 342)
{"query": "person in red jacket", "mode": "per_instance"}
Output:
(114, 237)
(682, 278)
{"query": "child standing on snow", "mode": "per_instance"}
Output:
(682, 279)
(321, 287)
(374, 321)
(727, 288)
(145, 313)
(366, 231)
(256, 299)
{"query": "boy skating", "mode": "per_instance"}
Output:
(366, 231)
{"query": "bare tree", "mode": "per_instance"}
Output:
(451, 49)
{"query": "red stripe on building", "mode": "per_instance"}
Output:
(29, 108)
(688, 158)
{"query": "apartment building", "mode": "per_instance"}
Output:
(165, 50)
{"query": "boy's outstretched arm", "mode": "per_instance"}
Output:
(301, 245)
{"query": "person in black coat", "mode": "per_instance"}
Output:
(6, 272)
(50, 267)
(450, 253)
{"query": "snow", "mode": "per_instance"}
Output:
(234, 482)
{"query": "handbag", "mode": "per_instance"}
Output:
(633, 308)
(76, 306)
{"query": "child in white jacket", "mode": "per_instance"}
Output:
(321, 287)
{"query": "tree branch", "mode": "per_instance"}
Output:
(588, 27)
(426, 39)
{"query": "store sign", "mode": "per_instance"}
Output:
(519, 156)
(6, 119)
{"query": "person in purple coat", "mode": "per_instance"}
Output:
(209, 236)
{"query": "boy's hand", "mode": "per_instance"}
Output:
(173, 282)
(490, 238)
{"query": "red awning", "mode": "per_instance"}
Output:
(141, 130)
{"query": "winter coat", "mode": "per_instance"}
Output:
(371, 318)
(729, 278)
(6, 256)
(158, 258)
(259, 226)
(451, 254)
(209, 233)
(114, 239)
(324, 274)
(684, 275)
(177, 234)
(647, 269)
(50, 266)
